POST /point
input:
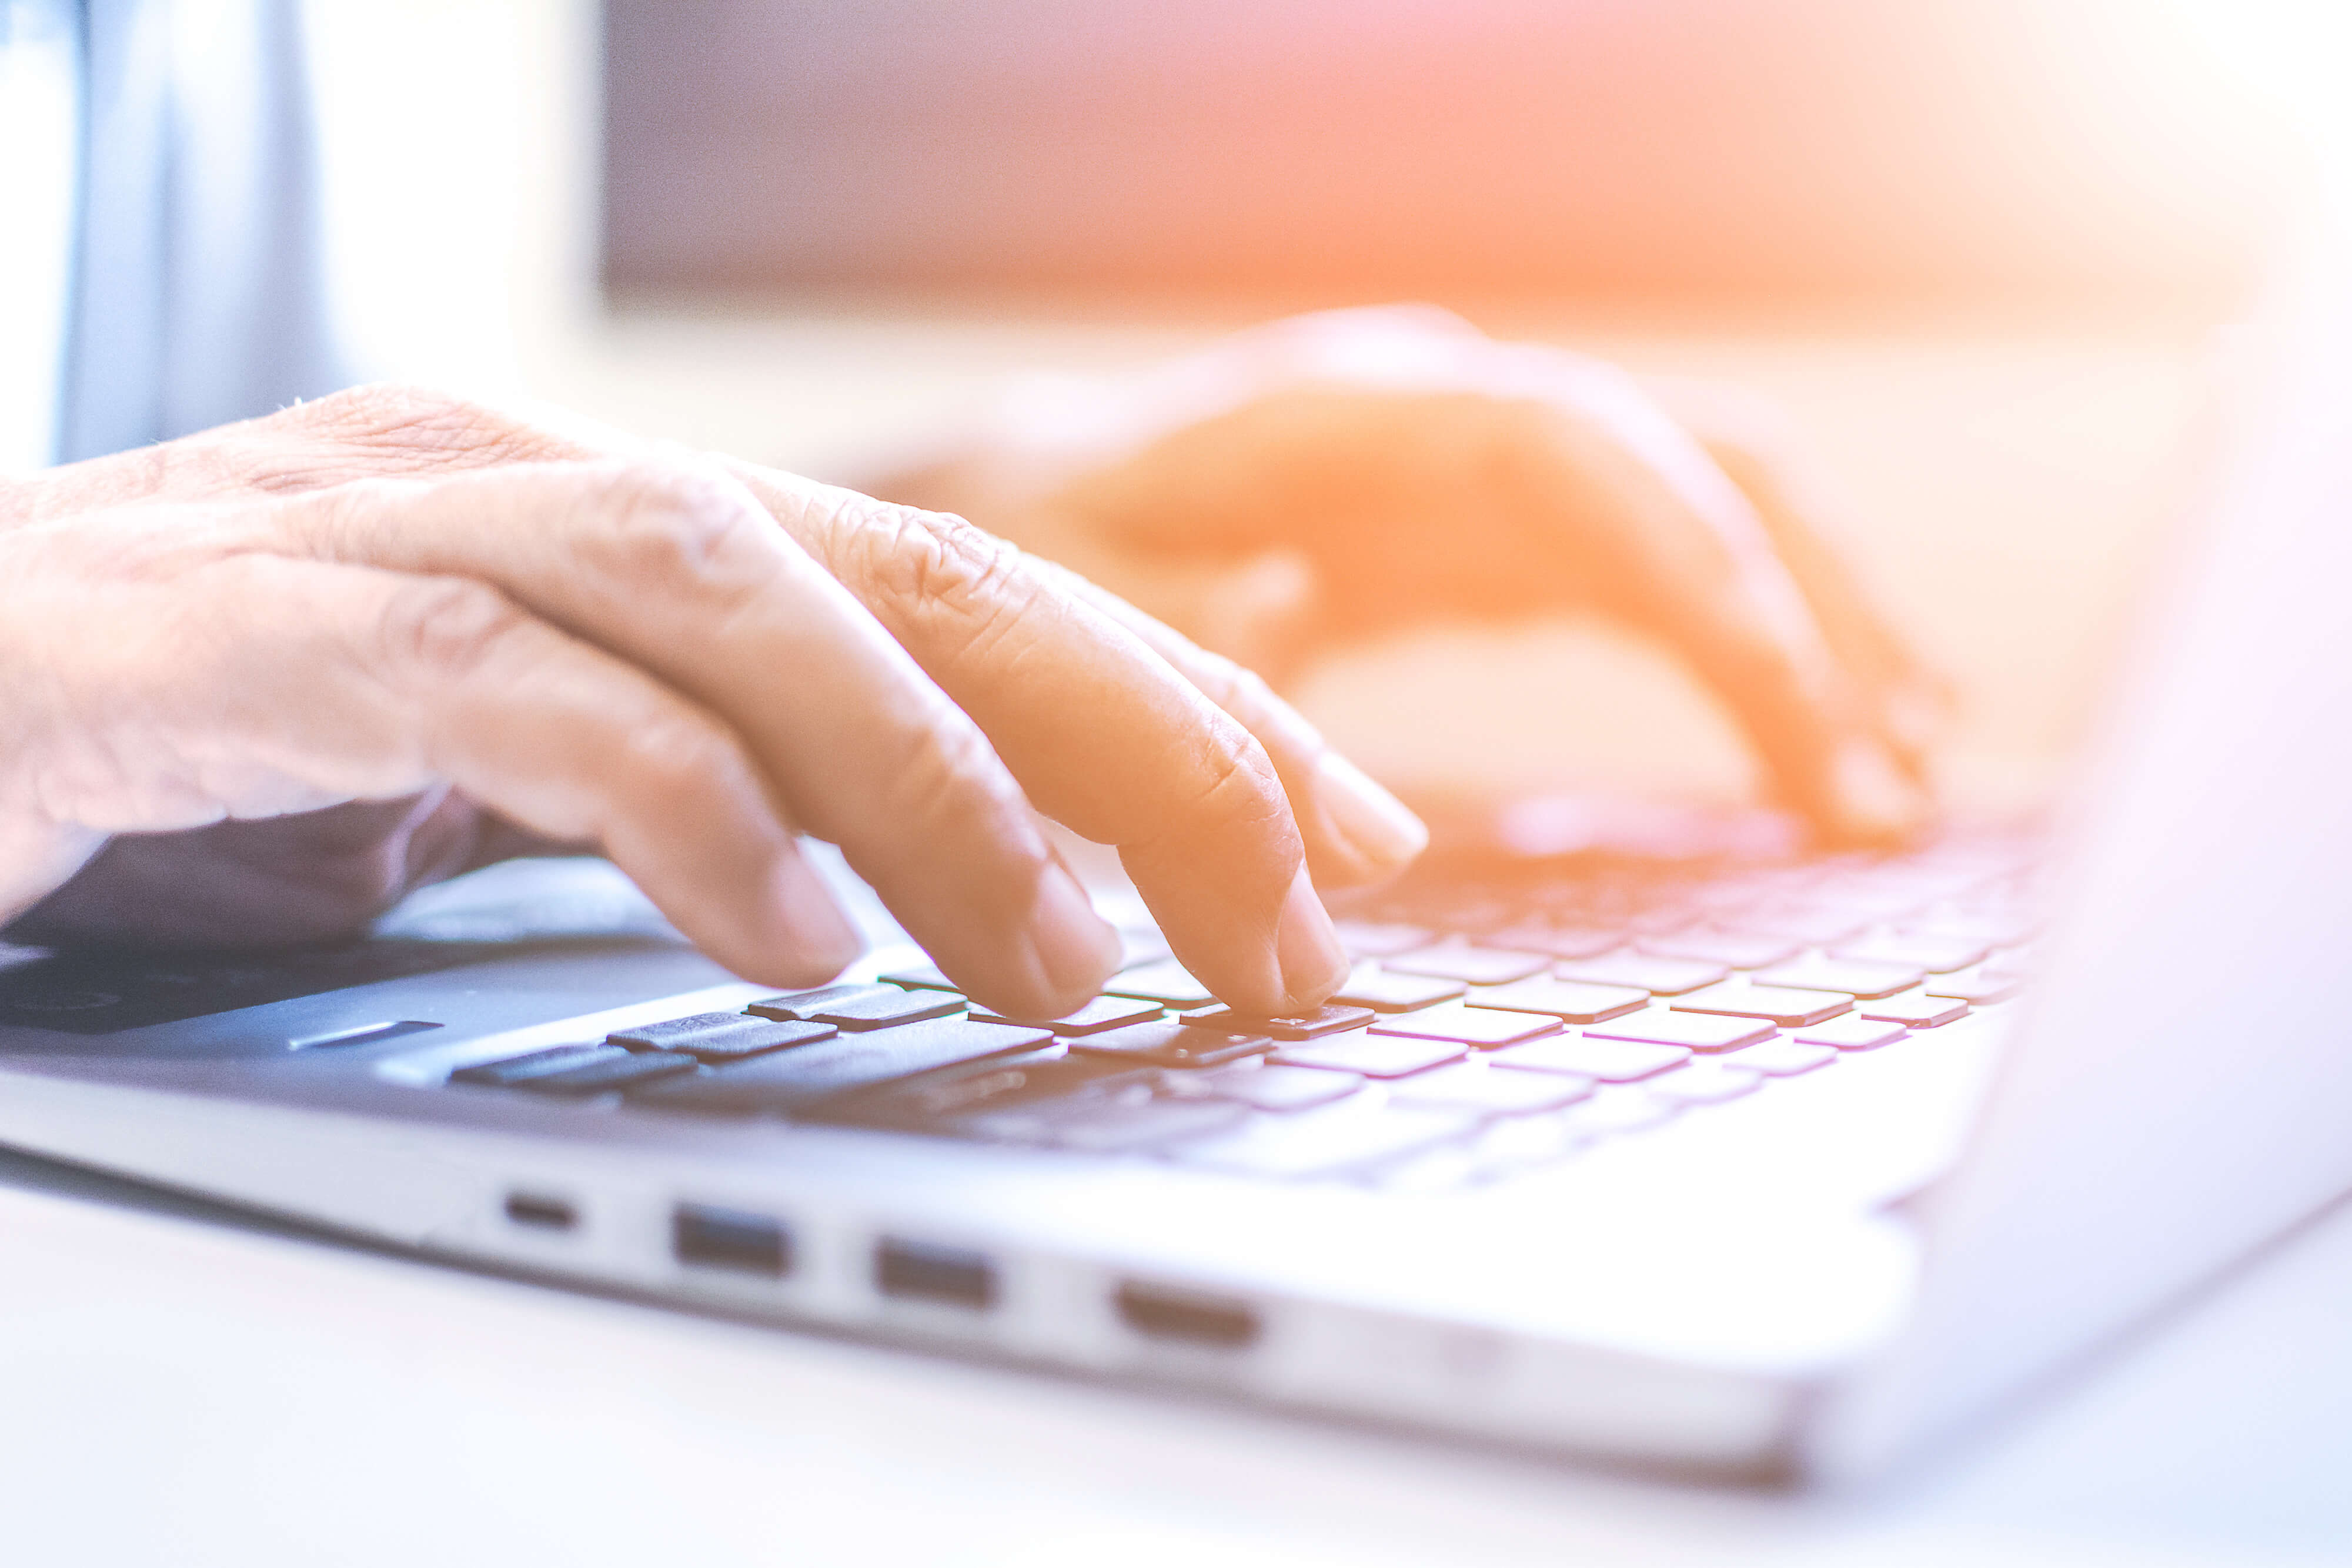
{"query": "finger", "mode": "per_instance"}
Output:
(1355, 831)
(1109, 738)
(366, 684)
(679, 571)
(1914, 704)
(1694, 565)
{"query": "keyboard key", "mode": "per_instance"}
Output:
(1609, 1061)
(855, 1008)
(1916, 1010)
(1780, 1058)
(1380, 938)
(1571, 1001)
(1935, 953)
(1269, 1088)
(1100, 1014)
(676, 1034)
(1328, 1018)
(785, 1080)
(1713, 945)
(514, 1069)
(1326, 1142)
(1474, 1086)
(1854, 976)
(1699, 1031)
(1852, 1033)
(1369, 986)
(1780, 1004)
(1116, 1129)
(1167, 982)
(1171, 1042)
(1468, 1024)
(602, 1077)
(1810, 928)
(1978, 989)
(1557, 941)
(1660, 977)
(1471, 966)
(753, 1037)
(1374, 1056)
(1705, 1083)
(926, 978)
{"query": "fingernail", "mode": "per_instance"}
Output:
(1077, 949)
(1313, 964)
(1373, 823)
(1874, 801)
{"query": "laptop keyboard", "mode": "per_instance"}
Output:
(1492, 1024)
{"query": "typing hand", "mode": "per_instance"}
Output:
(440, 634)
(1341, 475)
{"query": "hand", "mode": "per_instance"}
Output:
(484, 627)
(1343, 475)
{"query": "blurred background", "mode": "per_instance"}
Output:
(1974, 253)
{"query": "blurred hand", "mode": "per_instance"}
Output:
(1337, 476)
(304, 663)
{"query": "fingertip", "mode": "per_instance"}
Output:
(809, 940)
(1307, 946)
(1373, 833)
(1870, 800)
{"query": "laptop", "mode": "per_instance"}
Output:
(1729, 1160)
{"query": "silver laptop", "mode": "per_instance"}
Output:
(1730, 1161)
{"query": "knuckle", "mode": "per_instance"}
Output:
(1239, 789)
(962, 586)
(446, 628)
(951, 782)
(678, 525)
(382, 428)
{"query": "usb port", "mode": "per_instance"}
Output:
(1157, 1311)
(540, 1212)
(923, 1271)
(748, 1243)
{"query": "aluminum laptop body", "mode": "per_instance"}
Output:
(1811, 1277)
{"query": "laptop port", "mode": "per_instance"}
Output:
(540, 1212)
(920, 1271)
(710, 1237)
(1158, 1311)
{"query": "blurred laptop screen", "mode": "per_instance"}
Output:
(1749, 150)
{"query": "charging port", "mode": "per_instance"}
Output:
(542, 1212)
(1157, 1311)
(920, 1270)
(710, 1237)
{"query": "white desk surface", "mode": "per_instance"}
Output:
(179, 1387)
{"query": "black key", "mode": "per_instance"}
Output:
(786, 1080)
(1487, 1027)
(1316, 1143)
(601, 1077)
(856, 1008)
(1709, 945)
(757, 1039)
(1374, 1055)
(1269, 1088)
(1172, 1042)
(1854, 976)
(1329, 1019)
(1378, 939)
(1699, 1031)
(678, 1034)
(1100, 1014)
(733, 1040)
(514, 1069)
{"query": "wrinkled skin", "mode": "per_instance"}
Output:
(261, 682)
